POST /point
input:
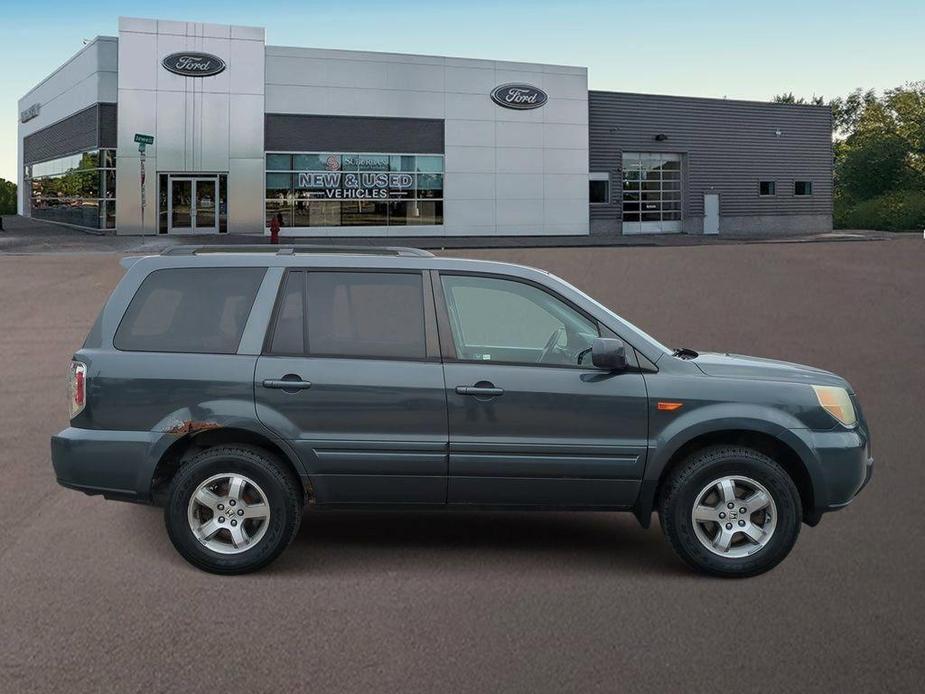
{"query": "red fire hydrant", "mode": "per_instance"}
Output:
(274, 230)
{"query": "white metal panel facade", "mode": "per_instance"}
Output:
(201, 125)
(507, 172)
(84, 80)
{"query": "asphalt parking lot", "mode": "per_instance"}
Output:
(93, 596)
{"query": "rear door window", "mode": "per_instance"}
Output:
(352, 314)
(289, 333)
(366, 314)
(197, 310)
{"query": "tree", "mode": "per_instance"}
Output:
(789, 98)
(7, 197)
(879, 146)
(846, 112)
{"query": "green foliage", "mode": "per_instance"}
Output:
(879, 146)
(899, 211)
(789, 98)
(872, 165)
(7, 197)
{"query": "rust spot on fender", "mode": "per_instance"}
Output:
(191, 427)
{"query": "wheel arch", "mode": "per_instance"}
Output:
(188, 445)
(770, 444)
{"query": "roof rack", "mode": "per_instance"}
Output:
(299, 249)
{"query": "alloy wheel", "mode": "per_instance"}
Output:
(734, 516)
(228, 513)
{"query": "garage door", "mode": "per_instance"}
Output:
(651, 193)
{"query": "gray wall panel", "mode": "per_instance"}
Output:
(303, 133)
(727, 147)
(108, 125)
(87, 129)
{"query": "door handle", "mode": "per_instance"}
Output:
(286, 384)
(480, 391)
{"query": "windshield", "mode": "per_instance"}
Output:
(597, 303)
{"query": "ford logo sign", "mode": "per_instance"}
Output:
(193, 64)
(518, 96)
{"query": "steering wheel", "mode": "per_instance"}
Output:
(551, 343)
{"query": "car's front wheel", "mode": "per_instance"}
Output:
(731, 511)
(232, 509)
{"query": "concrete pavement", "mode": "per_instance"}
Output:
(93, 596)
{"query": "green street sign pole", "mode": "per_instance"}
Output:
(143, 141)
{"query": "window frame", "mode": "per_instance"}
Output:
(803, 195)
(445, 328)
(600, 176)
(773, 192)
(431, 346)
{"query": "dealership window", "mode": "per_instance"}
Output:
(79, 189)
(325, 189)
(767, 188)
(802, 188)
(599, 188)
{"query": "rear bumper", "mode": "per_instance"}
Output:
(116, 464)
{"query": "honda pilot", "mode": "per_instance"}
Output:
(236, 385)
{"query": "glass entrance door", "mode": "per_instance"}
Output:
(192, 204)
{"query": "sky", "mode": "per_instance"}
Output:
(742, 49)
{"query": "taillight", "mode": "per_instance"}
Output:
(77, 387)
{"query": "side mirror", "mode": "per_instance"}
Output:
(608, 353)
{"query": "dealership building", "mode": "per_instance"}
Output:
(182, 128)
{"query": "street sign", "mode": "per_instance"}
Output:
(143, 141)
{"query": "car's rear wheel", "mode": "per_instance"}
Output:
(232, 509)
(730, 511)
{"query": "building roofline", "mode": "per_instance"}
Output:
(92, 42)
(427, 56)
(706, 98)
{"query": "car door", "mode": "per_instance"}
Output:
(531, 422)
(351, 375)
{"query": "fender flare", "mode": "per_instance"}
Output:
(711, 419)
(188, 423)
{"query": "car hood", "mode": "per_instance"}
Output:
(758, 368)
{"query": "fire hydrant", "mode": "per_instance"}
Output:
(274, 230)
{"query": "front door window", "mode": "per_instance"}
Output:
(496, 320)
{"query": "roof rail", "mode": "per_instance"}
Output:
(298, 249)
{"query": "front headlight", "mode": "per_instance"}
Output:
(837, 403)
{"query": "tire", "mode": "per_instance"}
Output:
(768, 535)
(246, 488)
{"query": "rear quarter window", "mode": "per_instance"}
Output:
(199, 310)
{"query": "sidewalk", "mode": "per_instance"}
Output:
(22, 235)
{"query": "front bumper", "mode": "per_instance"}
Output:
(115, 464)
(840, 466)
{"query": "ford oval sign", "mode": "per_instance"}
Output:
(193, 64)
(518, 96)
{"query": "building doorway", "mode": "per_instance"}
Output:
(652, 193)
(192, 203)
(710, 213)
